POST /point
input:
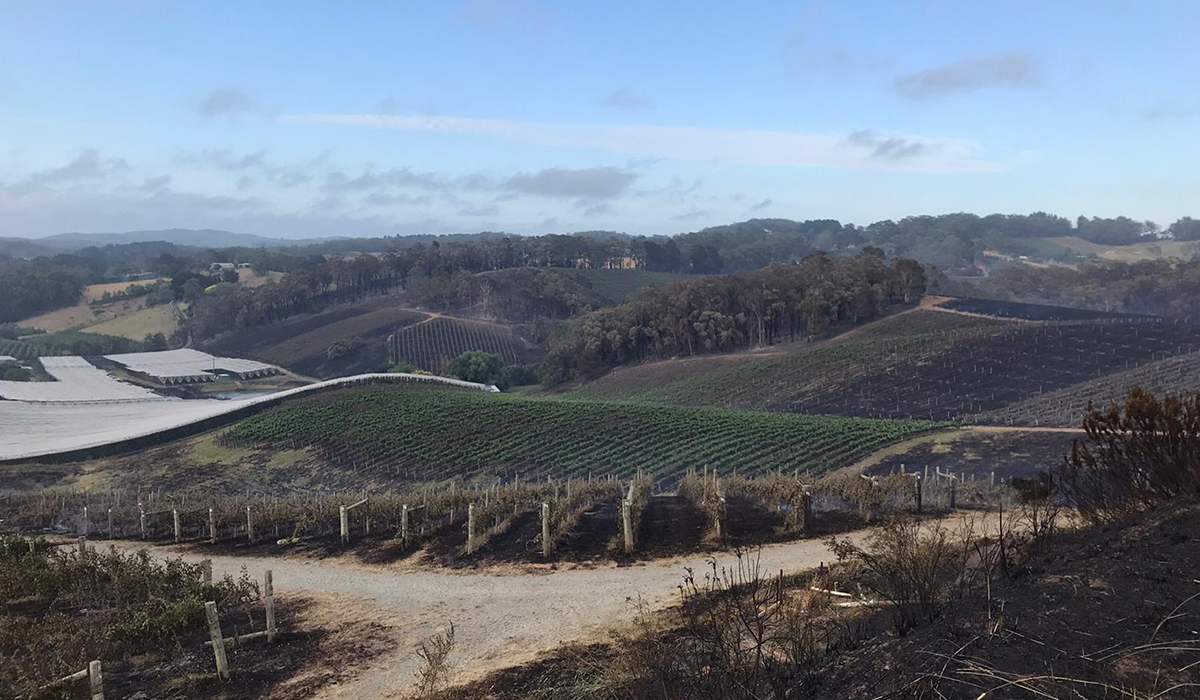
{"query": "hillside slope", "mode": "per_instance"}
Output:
(932, 364)
(390, 436)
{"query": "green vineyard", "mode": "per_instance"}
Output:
(27, 351)
(421, 433)
(430, 345)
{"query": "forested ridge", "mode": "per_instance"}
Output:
(1153, 287)
(513, 277)
(714, 314)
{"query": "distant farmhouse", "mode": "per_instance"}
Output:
(222, 266)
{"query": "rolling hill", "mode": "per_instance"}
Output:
(199, 238)
(931, 363)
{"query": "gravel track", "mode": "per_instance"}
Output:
(502, 616)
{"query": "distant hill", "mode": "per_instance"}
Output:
(200, 238)
(23, 248)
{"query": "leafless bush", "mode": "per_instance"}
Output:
(434, 673)
(917, 568)
(738, 634)
(1135, 456)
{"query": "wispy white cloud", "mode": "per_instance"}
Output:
(226, 100)
(738, 146)
(1016, 69)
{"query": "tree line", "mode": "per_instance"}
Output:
(1154, 287)
(715, 314)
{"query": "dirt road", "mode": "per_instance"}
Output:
(501, 617)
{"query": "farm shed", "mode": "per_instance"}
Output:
(77, 381)
(187, 366)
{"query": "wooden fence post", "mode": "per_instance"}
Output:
(175, 517)
(86, 521)
(110, 524)
(627, 524)
(470, 528)
(212, 527)
(214, 631)
(545, 529)
(805, 512)
(142, 521)
(82, 546)
(919, 483)
(404, 525)
(344, 518)
(249, 526)
(96, 680)
(720, 510)
(952, 499)
(269, 597)
(206, 572)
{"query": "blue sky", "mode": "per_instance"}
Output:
(300, 119)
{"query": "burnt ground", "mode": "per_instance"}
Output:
(977, 453)
(670, 524)
(304, 658)
(1109, 612)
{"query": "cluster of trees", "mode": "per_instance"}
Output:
(228, 307)
(518, 295)
(30, 287)
(725, 313)
(1155, 287)
(489, 368)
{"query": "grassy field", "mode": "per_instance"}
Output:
(139, 324)
(1130, 253)
(83, 314)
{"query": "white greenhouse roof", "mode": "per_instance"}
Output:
(38, 429)
(7, 358)
(187, 365)
(76, 381)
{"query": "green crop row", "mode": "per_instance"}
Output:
(444, 430)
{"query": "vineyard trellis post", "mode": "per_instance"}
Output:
(249, 525)
(404, 525)
(627, 524)
(141, 520)
(86, 521)
(918, 486)
(470, 528)
(206, 572)
(952, 493)
(212, 527)
(96, 680)
(545, 529)
(218, 643)
(269, 599)
(110, 524)
(175, 518)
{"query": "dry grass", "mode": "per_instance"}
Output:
(139, 324)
